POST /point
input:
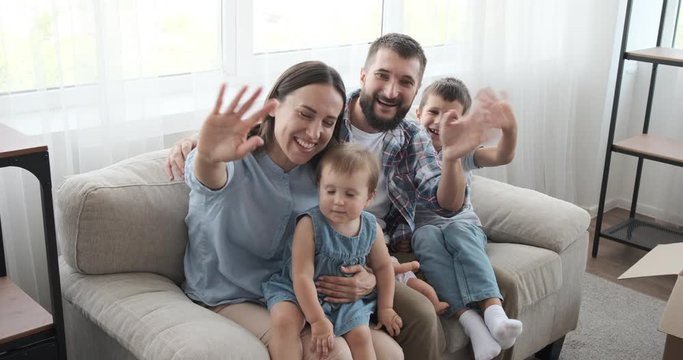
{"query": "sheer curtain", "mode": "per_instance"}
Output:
(87, 77)
(107, 97)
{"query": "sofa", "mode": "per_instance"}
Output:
(122, 236)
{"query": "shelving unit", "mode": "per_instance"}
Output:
(27, 330)
(635, 232)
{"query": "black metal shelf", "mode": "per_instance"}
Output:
(35, 340)
(635, 232)
(642, 234)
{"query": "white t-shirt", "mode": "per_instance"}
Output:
(375, 143)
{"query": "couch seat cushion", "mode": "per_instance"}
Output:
(526, 275)
(152, 318)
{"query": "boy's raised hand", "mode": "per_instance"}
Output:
(223, 136)
(460, 135)
(500, 112)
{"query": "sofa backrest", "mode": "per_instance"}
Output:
(127, 217)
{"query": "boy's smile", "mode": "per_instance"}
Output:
(431, 114)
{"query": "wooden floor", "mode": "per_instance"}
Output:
(614, 258)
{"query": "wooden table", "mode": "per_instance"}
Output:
(27, 331)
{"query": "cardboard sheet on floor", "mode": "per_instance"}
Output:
(665, 259)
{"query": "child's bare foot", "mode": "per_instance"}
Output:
(441, 307)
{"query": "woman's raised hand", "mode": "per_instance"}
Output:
(223, 136)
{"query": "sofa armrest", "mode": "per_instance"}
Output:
(152, 318)
(512, 214)
(116, 219)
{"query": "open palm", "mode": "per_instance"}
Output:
(501, 115)
(461, 135)
(223, 136)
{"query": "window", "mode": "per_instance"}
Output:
(431, 21)
(304, 24)
(48, 44)
(678, 36)
(299, 24)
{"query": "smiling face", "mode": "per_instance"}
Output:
(432, 112)
(343, 197)
(304, 124)
(389, 85)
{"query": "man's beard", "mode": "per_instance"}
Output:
(381, 124)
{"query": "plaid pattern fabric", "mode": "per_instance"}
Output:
(411, 167)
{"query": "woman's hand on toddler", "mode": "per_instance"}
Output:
(388, 318)
(322, 337)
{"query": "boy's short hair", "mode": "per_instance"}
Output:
(450, 89)
(348, 158)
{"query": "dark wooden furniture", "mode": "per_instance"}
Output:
(636, 231)
(27, 331)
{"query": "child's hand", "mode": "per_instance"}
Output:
(414, 265)
(406, 266)
(388, 318)
(500, 112)
(322, 337)
(503, 116)
(460, 135)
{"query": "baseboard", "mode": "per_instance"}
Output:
(643, 209)
(609, 205)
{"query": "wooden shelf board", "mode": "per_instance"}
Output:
(660, 55)
(21, 316)
(14, 143)
(654, 146)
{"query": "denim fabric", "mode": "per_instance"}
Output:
(454, 261)
(332, 251)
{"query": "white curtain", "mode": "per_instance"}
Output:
(81, 75)
(555, 59)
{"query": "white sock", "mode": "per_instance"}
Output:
(485, 347)
(504, 330)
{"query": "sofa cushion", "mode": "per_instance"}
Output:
(152, 318)
(517, 215)
(526, 275)
(126, 217)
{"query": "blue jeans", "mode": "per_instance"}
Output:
(454, 261)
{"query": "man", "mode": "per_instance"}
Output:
(375, 117)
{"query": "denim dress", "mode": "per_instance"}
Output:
(332, 251)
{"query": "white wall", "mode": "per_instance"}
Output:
(661, 193)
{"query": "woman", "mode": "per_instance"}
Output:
(249, 180)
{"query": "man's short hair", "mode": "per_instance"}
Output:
(405, 46)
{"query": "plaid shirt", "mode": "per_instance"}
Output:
(411, 167)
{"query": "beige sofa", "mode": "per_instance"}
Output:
(122, 235)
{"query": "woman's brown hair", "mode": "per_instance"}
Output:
(296, 77)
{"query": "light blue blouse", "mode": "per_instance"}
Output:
(237, 234)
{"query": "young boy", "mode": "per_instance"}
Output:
(452, 250)
(334, 234)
